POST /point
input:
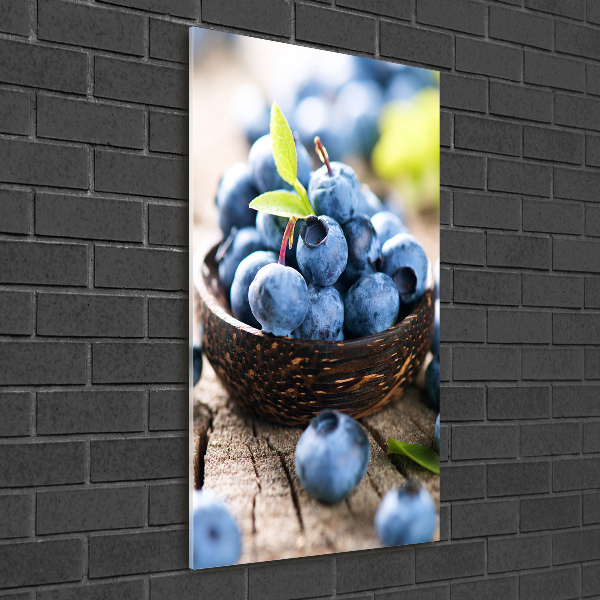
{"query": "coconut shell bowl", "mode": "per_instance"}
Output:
(289, 381)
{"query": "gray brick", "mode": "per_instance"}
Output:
(592, 12)
(462, 170)
(533, 179)
(552, 363)
(90, 26)
(576, 546)
(141, 175)
(284, 580)
(520, 27)
(517, 250)
(553, 144)
(592, 150)
(592, 220)
(14, 211)
(140, 82)
(168, 317)
(487, 135)
(43, 67)
(90, 315)
(574, 8)
(577, 39)
(592, 363)
(518, 403)
(93, 122)
(169, 41)
(484, 441)
(15, 313)
(591, 579)
(591, 437)
(122, 590)
(136, 459)
(89, 412)
(487, 287)
(437, 592)
(484, 363)
(446, 284)
(576, 400)
(520, 102)
(168, 410)
(42, 363)
(465, 482)
(462, 324)
(14, 17)
(22, 161)
(562, 584)
(405, 42)
(552, 290)
(89, 510)
(445, 207)
(461, 15)
(143, 552)
(519, 327)
(592, 292)
(545, 69)
(28, 464)
(575, 255)
(557, 512)
(487, 58)
(14, 516)
(575, 474)
(15, 408)
(576, 328)
(519, 478)
(168, 504)
(142, 268)
(575, 184)
(446, 123)
(227, 583)
(577, 111)
(487, 210)
(458, 91)
(399, 9)
(55, 561)
(443, 561)
(550, 439)
(182, 8)
(256, 15)
(519, 553)
(359, 571)
(463, 247)
(475, 519)
(14, 111)
(156, 362)
(491, 588)
(462, 403)
(88, 218)
(591, 508)
(552, 217)
(592, 83)
(168, 224)
(168, 132)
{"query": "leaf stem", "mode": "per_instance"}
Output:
(322, 153)
(288, 238)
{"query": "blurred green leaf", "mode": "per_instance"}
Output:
(282, 204)
(426, 457)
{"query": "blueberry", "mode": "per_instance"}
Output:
(325, 317)
(335, 195)
(368, 204)
(322, 251)
(387, 225)
(233, 250)
(371, 305)
(435, 342)
(405, 261)
(278, 299)
(406, 516)
(432, 381)
(271, 229)
(236, 191)
(332, 456)
(196, 363)
(244, 276)
(363, 248)
(264, 170)
(216, 537)
(437, 433)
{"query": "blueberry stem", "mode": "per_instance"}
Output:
(322, 154)
(288, 238)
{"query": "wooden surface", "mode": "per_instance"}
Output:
(250, 463)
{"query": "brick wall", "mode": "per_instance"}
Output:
(93, 279)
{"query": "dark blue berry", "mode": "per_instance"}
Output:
(363, 248)
(236, 191)
(432, 382)
(233, 250)
(325, 317)
(336, 195)
(387, 225)
(196, 364)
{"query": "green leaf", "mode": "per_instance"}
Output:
(422, 455)
(282, 204)
(284, 148)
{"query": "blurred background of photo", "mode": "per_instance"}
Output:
(379, 117)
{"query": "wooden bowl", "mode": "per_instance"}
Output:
(289, 381)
